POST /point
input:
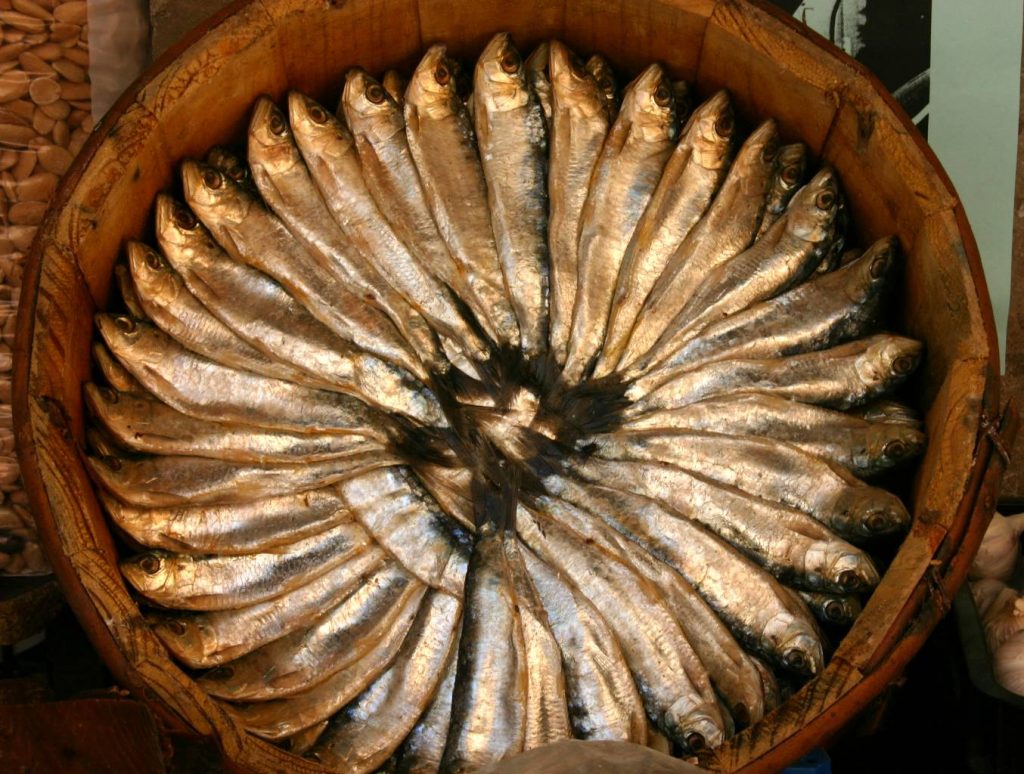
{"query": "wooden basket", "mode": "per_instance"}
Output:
(201, 92)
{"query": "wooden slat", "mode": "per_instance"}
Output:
(373, 35)
(771, 72)
(465, 28)
(637, 33)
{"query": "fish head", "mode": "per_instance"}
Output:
(499, 81)
(841, 610)
(872, 270)
(230, 164)
(370, 110)
(183, 636)
(797, 644)
(97, 398)
(177, 227)
(791, 163)
(895, 443)
(756, 160)
(119, 331)
(575, 89)
(848, 569)
(695, 725)
(649, 107)
(272, 148)
(539, 59)
(151, 572)
(212, 193)
(710, 131)
(870, 512)
(318, 131)
(812, 212)
(604, 76)
(432, 89)
(395, 84)
(151, 273)
(888, 360)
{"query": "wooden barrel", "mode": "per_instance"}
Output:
(201, 92)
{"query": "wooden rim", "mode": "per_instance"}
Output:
(930, 565)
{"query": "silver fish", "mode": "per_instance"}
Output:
(687, 186)
(377, 124)
(209, 639)
(252, 235)
(187, 582)
(889, 412)
(789, 543)
(651, 640)
(207, 390)
(538, 72)
(840, 377)
(406, 521)
(832, 608)
(363, 736)
(624, 179)
(862, 447)
(547, 714)
(116, 375)
(726, 229)
(264, 315)
(163, 481)
(222, 159)
(512, 137)
(330, 154)
(603, 699)
(784, 257)
(488, 721)
(601, 70)
(726, 579)
(772, 471)
(129, 293)
(789, 174)
(277, 719)
(820, 313)
(230, 529)
(394, 84)
(388, 599)
(180, 315)
(579, 124)
(440, 135)
(423, 747)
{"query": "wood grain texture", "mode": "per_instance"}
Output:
(200, 94)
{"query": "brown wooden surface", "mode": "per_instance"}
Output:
(85, 736)
(200, 93)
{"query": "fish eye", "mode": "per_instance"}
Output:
(153, 261)
(442, 75)
(277, 124)
(318, 114)
(213, 178)
(903, 365)
(849, 580)
(662, 96)
(177, 627)
(790, 175)
(895, 449)
(604, 83)
(510, 62)
(877, 522)
(108, 394)
(834, 611)
(183, 218)
(795, 660)
(149, 564)
(695, 742)
(725, 126)
(375, 93)
(825, 200)
(771, 149)
(125, 323)
(878, 266)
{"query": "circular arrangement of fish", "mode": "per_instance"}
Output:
(499, 408)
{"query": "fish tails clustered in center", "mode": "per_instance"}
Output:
(501, 407)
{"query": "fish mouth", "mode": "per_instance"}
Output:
(696, 729)
(852, 573)
(801, 653)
